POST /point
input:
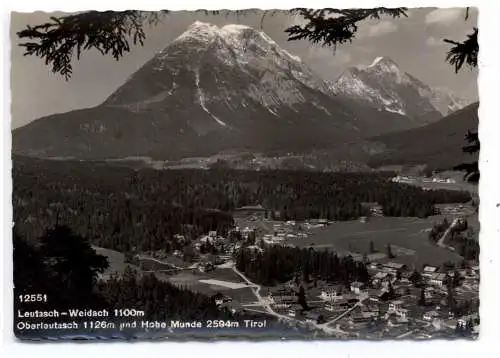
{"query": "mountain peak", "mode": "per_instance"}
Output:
(200, 29)
(383, 84)
(205, 30)
(201, 24)
(235, 28)
(384, 64)
(375, 61)
(382, 60)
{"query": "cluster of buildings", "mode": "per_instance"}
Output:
(371, 302)
(453, 209)
(390, 297)
(375, 209)
(410, 179)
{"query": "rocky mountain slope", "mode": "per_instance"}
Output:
(384, 85)
(210, 90)
(219, 89)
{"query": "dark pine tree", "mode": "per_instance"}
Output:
(471, 169)
(421, 301)
(371, 249)
(302, 298)
(74, 264)
(390, 255)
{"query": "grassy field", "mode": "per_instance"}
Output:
(406, 234)
(213, 282)
(152, 265)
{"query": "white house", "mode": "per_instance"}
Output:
(246, 232)
(430, 316)
(356, 287)
(402, 314)
(212, 233)
(379, 278)
(335, 305)
(329, 294)
(395, 306)
(330, 307)
(428, 269)
(462, 322)
(428, 293)
(437, 279)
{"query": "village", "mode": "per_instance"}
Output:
(399, 301)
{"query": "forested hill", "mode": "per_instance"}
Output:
(439, 145)
(128, 210)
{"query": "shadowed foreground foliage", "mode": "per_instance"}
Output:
(66, 268)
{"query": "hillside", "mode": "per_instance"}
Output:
(438, 145)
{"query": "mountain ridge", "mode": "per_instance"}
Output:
(210, 90)
(384, 85)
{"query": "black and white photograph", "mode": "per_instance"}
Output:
(210, 175)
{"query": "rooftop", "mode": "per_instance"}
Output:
(394, 265)
(438, 276)
(429, 268)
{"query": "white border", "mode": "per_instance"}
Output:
(489, 131)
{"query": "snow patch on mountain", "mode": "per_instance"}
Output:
(201, 99)
(375, 61)
(235, 35)
(398, 111)
(200, 30)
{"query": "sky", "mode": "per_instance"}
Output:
(414, 43)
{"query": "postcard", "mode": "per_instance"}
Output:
(251, 174)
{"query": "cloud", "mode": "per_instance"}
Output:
(432, 41)
(380, 28)
(336, 58)
(295, 20)
(445, 16)
(342, 57)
